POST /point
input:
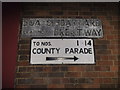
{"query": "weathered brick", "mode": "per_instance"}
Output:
(108, 86)
(70, 86)
(55, 69)
(72, 12)
(55, 86)
(23, 52)
(114, 68)
(24, 81)
(38, 86)
(39, 69)
(24, 46)
(102, 42)
(23, 57)
(23, 75)
(107, 74)
(39, 75)
(30, 69)
(47, 69)
(21, 69)
(107, 80)
(103, 51)
(64, 68)
(81, 80)
(38, 81)
(22, 41)
(102, 68)
(23, 63)
(72, 74)
(104, 57)
(104, 63)
(90, 74)
(65, 80)
(57, 74)
(56, 12)
(54, 80)
(103, 47)
(22, 86)
(89, 68)
(90, 86)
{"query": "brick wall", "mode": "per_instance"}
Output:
(102, 75)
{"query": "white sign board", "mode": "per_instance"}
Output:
(62, 51)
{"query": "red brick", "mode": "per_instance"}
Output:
(23, 63)
(55, 86)
(115, 51)
(110, 37)
(55, 69)
(24, 41)
(38, 86)
(107, 74)
(72, 12)
(107, 80)
(102, 68)
(102, 42)
(112, 46)
(90, 74)
(22, 86)
(72, 74)
(114, 68)
(56, 12)
(24, 52)
(101, 47)
(41, 13)
(70, 86)
(38, 81)
(25, 81)
(76, 68)
(47, 69)
(24, 46)
(104, 57)
(63, 68)
(39, 69)
(54, 80)
(114, 42)
(108, 86)
(103, 51)
(23, 58)
(21, 69)
(23, 75)
(39, 75)
(30, 69)
(65, 80)
(87, 86)
(89, 68)
(112, 57)
(104, 63)
(116, 63)
(97, 80)
(56, 74)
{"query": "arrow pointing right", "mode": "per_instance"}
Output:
(61, 58)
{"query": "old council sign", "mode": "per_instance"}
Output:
(62, 51)
(61, 27)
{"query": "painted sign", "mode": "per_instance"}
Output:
(62, 51)
(61, 27)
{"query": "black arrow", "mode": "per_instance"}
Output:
(61, 58)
